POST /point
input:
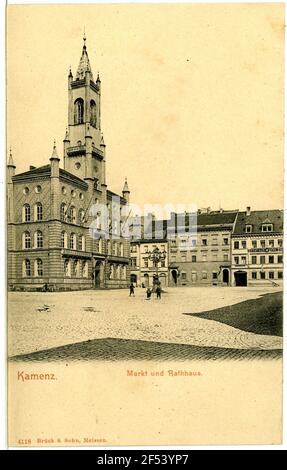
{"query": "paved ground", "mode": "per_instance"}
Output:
(39, 321)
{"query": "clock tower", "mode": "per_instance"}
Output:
(84, 148)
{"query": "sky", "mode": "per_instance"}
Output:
(192, 96)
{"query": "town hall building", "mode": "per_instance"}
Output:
(50, 241)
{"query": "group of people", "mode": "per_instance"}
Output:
(149, 291)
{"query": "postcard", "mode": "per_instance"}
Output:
(145, 224)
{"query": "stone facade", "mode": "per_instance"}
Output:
(229, 248)
(257, 248)
(55, 237)
(205, 257)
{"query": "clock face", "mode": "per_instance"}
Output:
(77, 165)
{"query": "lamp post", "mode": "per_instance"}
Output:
(156, 256)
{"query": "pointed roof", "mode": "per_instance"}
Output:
(54, 155)
(102, 143)
(10, 159)
(126, 188)
(84, 65)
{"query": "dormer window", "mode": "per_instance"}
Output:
(248, 228)
(267, 228)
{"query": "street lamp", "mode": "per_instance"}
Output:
(156, 256)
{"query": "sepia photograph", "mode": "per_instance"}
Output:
(145, 228)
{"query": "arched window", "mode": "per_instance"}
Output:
(67, 268)
(38, 212)
(81, 216)
(26, 240)
(63, 211)
(79, 111)
(38, 239)
(82, 243)
(117, 272)
(76, 266)
(64, 240)
(112, 272)
(73, 241)
(26, 268)
(93, 113)
(124, 272)
(85, 269)
(73, 215)
(38, 270)
(26, 214)
(121, 249)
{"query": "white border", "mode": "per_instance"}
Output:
(3, 385)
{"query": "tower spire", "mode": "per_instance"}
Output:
(84, 65)
(54, 155)
(126, 187)
(10, 159)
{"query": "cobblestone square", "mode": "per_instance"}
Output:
(40, 321)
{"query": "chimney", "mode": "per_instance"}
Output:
(248, 210)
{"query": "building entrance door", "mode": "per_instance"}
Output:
(174, 275)
(225, 273)
(240, 278)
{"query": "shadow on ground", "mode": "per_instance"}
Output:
(263, 316)
(112, 349)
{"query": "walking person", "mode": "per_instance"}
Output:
(158, 292)
(148, 293)
(132, 290)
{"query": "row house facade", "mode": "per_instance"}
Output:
(149, 256)
(257, 248)
(55, 239)
(204, 257)
(228, 248)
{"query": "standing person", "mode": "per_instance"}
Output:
(158, 292)
(132, 290)
(148, 293)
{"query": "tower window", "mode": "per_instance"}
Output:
(81, 216)
(63, 212)
(26, 268)
(64, 240)
(39, 239)
(26, 213)
(93, 113)
(81, 243)
(38, 268)
(26, 240)
(73, 241)
(79, 111)
(39, 211)
(72, 215)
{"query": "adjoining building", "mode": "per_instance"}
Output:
(204, 257)
(257, 248)
(149, 256)
(50, 241)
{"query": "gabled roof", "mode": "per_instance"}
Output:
(257, 218)
(45, 172)
(34, 173)
(111, 194)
